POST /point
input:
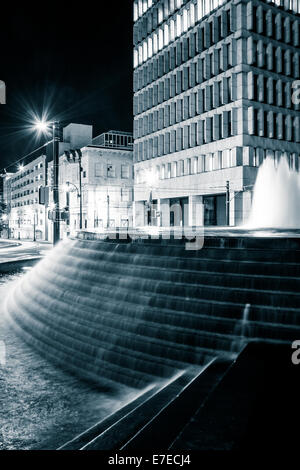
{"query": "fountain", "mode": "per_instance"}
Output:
(141, 311)
(276, 198)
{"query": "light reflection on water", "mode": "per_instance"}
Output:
(41, 406)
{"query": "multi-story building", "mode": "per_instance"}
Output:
(26, 217)
(107, 184)
(21, 195)
(213, 87)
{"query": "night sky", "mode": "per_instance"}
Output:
(69, 60)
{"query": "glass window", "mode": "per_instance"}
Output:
(111, 171)
(125, 171)
(178, 25)
(98, 169)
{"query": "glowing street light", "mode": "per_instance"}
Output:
(21, 167)
(44, 126)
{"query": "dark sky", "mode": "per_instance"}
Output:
(67, 58)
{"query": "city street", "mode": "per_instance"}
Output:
(12, 250)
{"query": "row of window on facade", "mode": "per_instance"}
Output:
(272, 24)
(214, 161)
(187, 48)
(196, 103)
(187, 77)
(220, 126)
(260, 20)
(19, 176)
(208, 34)
(110, 171)
(27, 182)
(212, 64)
(28, 202)
(113, 140)
(167, 7)
(275, 59)
(212, 97)
(25, 193)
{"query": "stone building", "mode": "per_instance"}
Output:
(107, 184)
(213, 97)
(26, 217)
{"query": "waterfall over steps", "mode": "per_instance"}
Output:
(141, 311)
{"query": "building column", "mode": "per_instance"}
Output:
(165, 212)
(240, 206)
(196, 211)
(139, 214)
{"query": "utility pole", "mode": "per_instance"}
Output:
(80, 188)
(79, 193)
(56, 228)
(34, 237)
(227, 204)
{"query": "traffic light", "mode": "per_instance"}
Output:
(44, 195)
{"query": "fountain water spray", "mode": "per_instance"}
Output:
(276, 198)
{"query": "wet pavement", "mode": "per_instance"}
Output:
(41, 406)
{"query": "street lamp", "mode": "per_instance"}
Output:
(43, 126)
(150, 177)
(79, 195)
(32, 212)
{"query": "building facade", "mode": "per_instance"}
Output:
(26, 217)
(213, 97)
(107, 184)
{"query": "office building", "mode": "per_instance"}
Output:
(213, 97)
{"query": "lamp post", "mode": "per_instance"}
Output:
(150, 179)
(76, 153)
(43, 126)
(79, 195)
(34, 226)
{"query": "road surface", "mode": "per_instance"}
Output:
(20, 250)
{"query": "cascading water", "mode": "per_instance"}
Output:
(276, 198)
(138, 312)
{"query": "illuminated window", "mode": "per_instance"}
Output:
(125, 171)
(178, 25)
(150, 47)
(166, 35)
(185, 20)
(192, 15)
(98, 170)
(199, 9)
(155, 43)
(140, 7)
(135, 58)
(160, 14)
(172, 30)
(135, 11)
(145, 51)
(160, 39)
